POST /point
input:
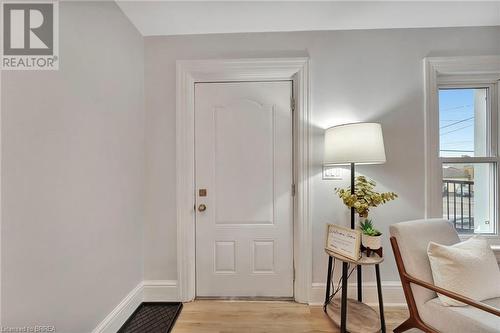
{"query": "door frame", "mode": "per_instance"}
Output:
(189, 72)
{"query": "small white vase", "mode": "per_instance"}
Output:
(371, 242)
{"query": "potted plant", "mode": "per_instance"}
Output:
(364, 198)
(370, 237)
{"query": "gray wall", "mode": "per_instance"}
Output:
(73, 175)
(374, 75)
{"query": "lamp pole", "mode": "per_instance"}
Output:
(353, 226)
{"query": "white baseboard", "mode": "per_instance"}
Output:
(167, 291)
(114, 320)
(160, 291)
(146, 291)
(392, 293)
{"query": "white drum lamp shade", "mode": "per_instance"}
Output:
(359, 143)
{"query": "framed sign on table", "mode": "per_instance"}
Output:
(343, 241)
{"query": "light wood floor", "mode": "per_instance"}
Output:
(258, 317)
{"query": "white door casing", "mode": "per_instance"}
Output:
(243, 158)
(190, 72)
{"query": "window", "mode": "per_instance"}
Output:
(468, 156)
(462, 164)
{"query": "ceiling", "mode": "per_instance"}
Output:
(160, 18)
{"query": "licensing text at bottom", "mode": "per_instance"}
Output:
(28, 329)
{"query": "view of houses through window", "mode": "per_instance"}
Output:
(468, 178)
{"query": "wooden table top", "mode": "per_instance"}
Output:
(373, 259)
(360, 317)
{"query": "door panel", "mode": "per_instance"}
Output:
(238, 158)
(244, 239)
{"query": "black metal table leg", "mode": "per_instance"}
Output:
(328, 282)
(343, 306)
(360, 285)
(380, 301)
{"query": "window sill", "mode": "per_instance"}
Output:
(494, 243)
(493, 239)
(496, 250)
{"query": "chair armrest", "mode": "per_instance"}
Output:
(451, 294)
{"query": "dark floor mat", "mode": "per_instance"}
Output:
(152, 317)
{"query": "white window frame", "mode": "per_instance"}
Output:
(459, 72)
(492, 156)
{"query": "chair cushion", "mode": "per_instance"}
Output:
(413, 238)
(463, 319)
(468, 268)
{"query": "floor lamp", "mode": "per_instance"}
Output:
(351, 144)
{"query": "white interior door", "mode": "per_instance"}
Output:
(243, 148)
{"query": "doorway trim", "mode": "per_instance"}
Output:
(189, 72)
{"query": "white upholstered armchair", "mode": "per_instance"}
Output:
(409, 241)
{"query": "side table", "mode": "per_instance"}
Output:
(364, 318)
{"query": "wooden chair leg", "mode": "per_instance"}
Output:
(410, 323)
(405, 326)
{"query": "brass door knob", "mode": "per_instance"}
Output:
(202, 208)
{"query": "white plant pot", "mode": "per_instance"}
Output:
(372, 242)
